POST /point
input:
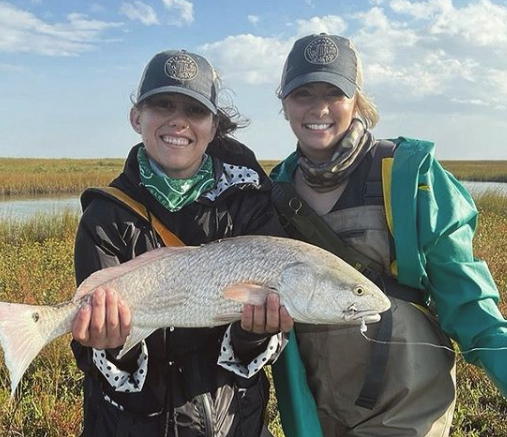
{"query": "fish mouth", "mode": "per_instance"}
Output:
(352, 314)
(359, 316)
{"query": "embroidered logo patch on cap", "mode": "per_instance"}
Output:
(181, 67)
(321, 51)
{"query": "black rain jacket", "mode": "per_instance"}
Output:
(186, 393)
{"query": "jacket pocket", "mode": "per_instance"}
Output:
(252, 401)
(113, 422)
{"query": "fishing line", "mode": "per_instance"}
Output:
(363, 328)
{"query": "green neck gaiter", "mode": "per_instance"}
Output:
(174, 194)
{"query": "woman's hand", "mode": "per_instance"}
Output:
(270, 318)
(104, 323)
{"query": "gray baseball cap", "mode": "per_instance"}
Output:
(182, 72)
(321, 58)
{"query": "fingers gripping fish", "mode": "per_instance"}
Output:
(203, 287)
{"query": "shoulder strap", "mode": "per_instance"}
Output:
(165, 234)
(316, 231)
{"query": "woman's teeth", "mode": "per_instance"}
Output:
(175, 141)
(318, 126)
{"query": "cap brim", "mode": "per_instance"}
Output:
(180, 90)
(346, 85)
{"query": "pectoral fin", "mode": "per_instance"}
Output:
(135, 337)
(247, 293)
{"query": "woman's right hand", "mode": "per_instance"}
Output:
(104, 323)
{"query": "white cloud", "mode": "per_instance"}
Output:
(381, 40)
(254, 19)
(499, 80)
(475, 102)
(496, 81)
(248, 59)
(183, 8)
(139, 11)
(332, 24)
(415, 54)
(433, 74)
(444, 53)
(420, 10)
(481, 24)
(22, 31)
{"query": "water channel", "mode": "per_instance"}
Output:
(25, 207)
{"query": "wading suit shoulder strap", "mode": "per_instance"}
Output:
(315, 230)
(165, 234)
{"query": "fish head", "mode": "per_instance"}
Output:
(316, 294)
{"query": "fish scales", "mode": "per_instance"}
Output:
(203, 287)
(198, 285)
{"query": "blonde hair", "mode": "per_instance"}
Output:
(365, 108)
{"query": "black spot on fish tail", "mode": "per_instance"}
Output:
(35, 317)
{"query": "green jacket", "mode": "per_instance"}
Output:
(434, 220)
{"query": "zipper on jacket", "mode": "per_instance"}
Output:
(208, 415)
(169, 416)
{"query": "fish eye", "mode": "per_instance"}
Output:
(359, 290)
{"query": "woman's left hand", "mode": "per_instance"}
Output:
(269, 318)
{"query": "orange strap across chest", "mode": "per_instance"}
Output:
(165, 234)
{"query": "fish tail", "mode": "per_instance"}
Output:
(24, 331)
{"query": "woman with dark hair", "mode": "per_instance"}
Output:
(198, 184)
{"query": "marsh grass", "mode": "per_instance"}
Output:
(36, 267)
(490, 171)
(56, 176)
(39, 228)
(51, 176)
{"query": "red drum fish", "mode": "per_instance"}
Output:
(203, 286)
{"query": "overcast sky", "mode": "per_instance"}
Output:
(436, 69)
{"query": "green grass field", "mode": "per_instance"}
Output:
(52, 176)
(56, 176)
(36, 267)
(491, 171)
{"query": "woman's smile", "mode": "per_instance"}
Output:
(318, 126)
(320, 115)
(175, 141)
(176, 130)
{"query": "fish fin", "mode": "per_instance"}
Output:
(104, 276)
(136, 336)
(24, 331)
(247, 293)
(225, 319)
